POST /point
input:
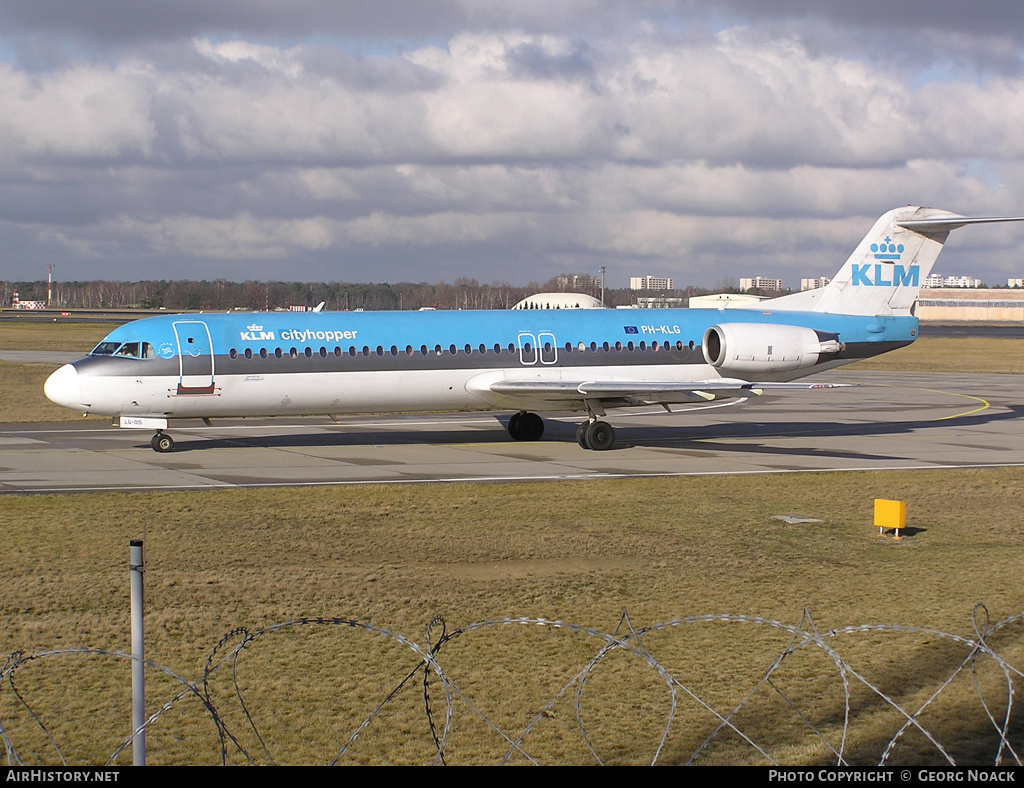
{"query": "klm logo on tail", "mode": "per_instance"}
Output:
(880, 275)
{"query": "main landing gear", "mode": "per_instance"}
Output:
(524, 426)
(596, 435)
(162, 442)
(592, 434)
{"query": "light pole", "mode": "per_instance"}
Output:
(601, 269)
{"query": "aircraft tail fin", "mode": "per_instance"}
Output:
(883, 276)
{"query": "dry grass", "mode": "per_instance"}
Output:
(22, 398)
(943, 354)
(64, 336)
(396, 556)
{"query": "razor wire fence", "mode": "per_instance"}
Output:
(533, 690)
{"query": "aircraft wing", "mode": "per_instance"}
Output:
(643, 390)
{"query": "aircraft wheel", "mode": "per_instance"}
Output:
(513, 426)
(600, 436)
(531, 427)
(581, 435)
(162, 442)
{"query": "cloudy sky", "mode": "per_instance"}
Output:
(407, 140)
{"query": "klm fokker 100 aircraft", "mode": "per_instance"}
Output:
(151, 371)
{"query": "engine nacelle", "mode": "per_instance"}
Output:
(764, 347)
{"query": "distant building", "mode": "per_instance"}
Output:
(1015, 282)
(559, 301)
(650, 283)
(761, 283)
(17, 303)
(814, 284)
(723, 300)
(990, 306)
(933, 281)
(660, 302)
(581, 283)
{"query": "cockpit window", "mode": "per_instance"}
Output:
(105, 348)
(126, 349)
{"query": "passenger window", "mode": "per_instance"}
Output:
(453, 349)
(263, 352)
(309, 352)
(278, 353)
(323, 352)
(293, 353)
(248, 352)
(232, 353)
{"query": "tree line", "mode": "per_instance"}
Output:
(221, 295)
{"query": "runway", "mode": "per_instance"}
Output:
(884, 421)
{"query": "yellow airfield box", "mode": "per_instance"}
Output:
(890, 514)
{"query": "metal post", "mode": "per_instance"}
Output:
(602, 285)
(138, 655)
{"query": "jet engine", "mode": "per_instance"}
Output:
(741, 348)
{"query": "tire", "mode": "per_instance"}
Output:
(581, 435)
(161, 442)
(531, 427)
(513, 426)
(600, 436)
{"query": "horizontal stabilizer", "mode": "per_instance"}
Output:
(945, 224)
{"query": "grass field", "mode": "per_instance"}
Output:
(582, 552)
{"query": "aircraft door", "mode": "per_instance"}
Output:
(527, 349)
(195, 357)
(548, 347)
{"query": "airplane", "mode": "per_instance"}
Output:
(152, 371)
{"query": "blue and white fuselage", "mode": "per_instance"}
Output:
(273, 364)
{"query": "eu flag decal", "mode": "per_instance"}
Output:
(631, 329)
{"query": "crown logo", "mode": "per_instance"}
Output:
(254, 327)
(887, 250)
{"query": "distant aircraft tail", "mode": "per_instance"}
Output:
(884, 274)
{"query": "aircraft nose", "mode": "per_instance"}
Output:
(62, 387)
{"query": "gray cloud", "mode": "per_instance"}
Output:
(498, 141)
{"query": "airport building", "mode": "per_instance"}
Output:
(814, 284)
(650, 283)
(762, 283)
(934, 281)
(975, 304)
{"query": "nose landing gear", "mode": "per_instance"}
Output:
(162, 442)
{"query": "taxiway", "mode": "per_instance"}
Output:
(884, 421)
